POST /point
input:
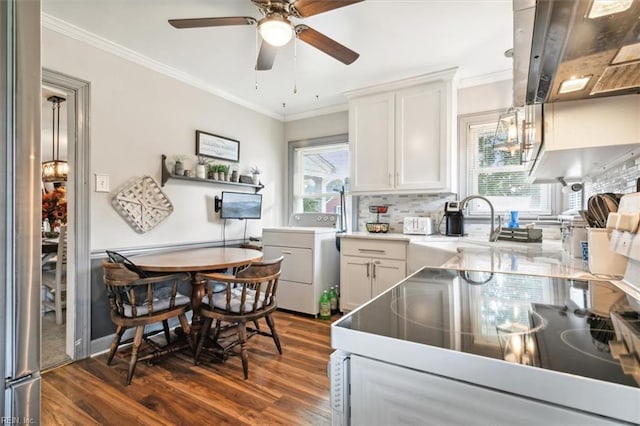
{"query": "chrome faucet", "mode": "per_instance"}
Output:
(494, 233)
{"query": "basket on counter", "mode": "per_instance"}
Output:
(377, 227)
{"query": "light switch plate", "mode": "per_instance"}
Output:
(102, 183)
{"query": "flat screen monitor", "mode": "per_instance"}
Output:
(240, 205)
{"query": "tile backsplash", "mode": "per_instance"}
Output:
(400, 206)
(620, 179)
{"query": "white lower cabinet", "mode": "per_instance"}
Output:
(387, 394)
(368, 268)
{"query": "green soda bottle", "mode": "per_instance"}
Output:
(325, 306)
(333, 299)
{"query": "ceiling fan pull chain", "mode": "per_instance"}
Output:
(295, 65)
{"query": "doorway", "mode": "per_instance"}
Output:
(70, 340)
(54, 137)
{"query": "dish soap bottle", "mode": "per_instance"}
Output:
(513, 223)
(325, 306)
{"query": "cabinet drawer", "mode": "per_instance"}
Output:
(297, 265)
(374, 248)
(287, 239)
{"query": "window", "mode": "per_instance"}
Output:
(499, 175)
(319, 172)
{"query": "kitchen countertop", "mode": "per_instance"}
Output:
(547, 258)
(472, 253)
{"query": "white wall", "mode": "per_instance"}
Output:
(138, 114)
(314, 127)
(485, 97)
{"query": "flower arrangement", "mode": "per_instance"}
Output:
(54, 206)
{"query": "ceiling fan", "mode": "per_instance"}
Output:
(276, 29)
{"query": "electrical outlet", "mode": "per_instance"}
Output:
(102, 183)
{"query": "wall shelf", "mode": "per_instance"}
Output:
(166, 175)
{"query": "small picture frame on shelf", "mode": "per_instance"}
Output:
(246, 179)
(214, 146)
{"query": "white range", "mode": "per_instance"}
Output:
(311, 259)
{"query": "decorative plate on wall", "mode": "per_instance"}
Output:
(142, 203)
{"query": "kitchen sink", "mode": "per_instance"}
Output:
(436, 251)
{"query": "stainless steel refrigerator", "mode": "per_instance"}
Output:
(20, 207)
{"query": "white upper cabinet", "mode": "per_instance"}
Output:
(402, 136)
(371, 136)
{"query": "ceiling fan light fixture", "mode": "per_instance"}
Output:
(275, 30)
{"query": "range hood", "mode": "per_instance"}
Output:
(575, 49)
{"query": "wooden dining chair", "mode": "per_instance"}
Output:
(138, 302)
(54, 278)
(246, 297)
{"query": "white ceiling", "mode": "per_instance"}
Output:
(395, 38)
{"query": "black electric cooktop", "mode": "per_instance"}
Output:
(546, 322)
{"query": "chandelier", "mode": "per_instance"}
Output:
(55, 170)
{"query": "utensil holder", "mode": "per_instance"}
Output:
(603, 260)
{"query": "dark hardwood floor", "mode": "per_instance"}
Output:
(288, 389)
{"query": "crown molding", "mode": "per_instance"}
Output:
(486, 78)
(449, 74)
(77, 33)
(317, 112)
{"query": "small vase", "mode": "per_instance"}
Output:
(201, 171)
(179, 168)
(256, 178)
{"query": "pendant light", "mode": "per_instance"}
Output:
(55, 170)
(508, 136)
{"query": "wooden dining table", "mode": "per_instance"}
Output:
(193, 261)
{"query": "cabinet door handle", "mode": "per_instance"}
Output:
(374, 271)
(371, 250)
(367, 269)
(285, 252)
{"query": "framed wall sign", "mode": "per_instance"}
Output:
(215, 146)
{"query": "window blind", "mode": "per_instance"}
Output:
(499, 176)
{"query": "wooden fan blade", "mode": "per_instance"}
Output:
(304, 8)
(325, 44)
(212, 22)
(266, 56)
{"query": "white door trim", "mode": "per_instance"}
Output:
(79, 254)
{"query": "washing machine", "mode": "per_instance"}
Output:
(311, 260)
